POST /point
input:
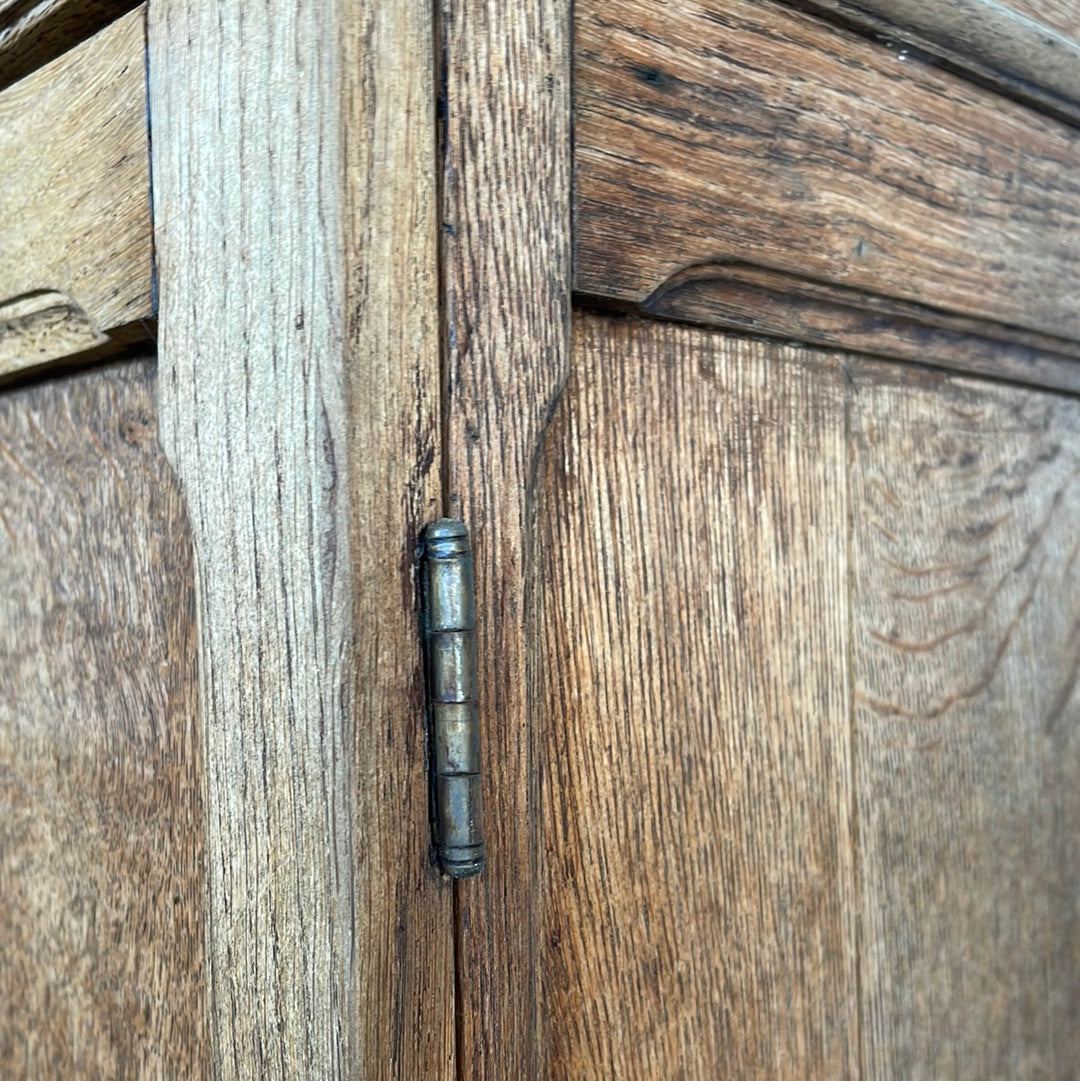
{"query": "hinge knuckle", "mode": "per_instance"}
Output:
(454, 728)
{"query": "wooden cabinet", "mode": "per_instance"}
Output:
(743, 337)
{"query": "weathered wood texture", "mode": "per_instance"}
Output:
(33, 32)
(723, 130)
(75, 237)
(691, 535)
(765, 302)
(295, 206)
(506, 289)
(966, 563)
(102, 831)
(1031, 50)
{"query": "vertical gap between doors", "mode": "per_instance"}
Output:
(442, 105)
(853, 804)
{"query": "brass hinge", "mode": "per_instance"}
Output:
(449, 598)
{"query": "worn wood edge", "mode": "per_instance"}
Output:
(298, 319)
(76, 273)
(506, 264)
(1010, 51)
(33, 32)
(774, 303)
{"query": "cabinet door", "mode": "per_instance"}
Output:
(778, 641)
(805, 651)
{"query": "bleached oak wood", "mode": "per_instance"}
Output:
(75, 238)
(102, 828)
(295, 227)
(506, 293)
(966, 649)
(692, 686)
(33, 32)
(710, 131)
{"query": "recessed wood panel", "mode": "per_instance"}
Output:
(966, 649)
(102, 830)
(692, 695)
(718, 131)
(76, 259)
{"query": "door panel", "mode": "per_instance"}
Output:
(806, 652)
(965, 545)
(695, 711)
(102, 835)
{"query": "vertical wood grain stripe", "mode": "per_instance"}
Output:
(295, 232)
(506, 263)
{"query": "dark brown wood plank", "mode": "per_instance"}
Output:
(719, 130)
(506, 292)
(966, 548)
(692, 697)
(102, 829)
(765, 302)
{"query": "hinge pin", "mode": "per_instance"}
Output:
(450, 640)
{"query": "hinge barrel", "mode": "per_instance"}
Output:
(454, 726)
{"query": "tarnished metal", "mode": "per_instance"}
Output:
(450, 646)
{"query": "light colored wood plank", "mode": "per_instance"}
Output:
(966, 548)
(33, 32)
(1031, 50)
(296, 232)
(102, 830)
(727, 130)
(75, 236)
(692, 685)
(506, 295)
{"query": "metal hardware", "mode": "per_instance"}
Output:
(450, 646)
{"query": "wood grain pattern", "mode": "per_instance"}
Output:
(102, 832)
(33, 32)
(782, 305)
(506, 292)
(727, 130)
(697, 861)
(1030, 50)
(75, 238)
(966, 540)
(296, 231)
(1061, 15)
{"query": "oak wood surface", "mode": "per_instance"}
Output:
(1061, 15)
(33, 32)
(1030, 50)
(697, 863)
(102, 829)
(75, 235)
(295, 226)
(728, 130)
(966, 650)
(765, 302)
(505, 240)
